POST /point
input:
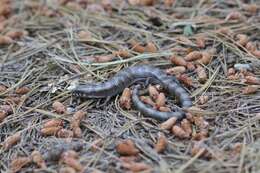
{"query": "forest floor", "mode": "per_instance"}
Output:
(212, 47)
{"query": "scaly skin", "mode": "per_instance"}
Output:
(126, 77)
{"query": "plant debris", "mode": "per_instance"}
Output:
(48, 47)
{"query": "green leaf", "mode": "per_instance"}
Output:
(188, 30)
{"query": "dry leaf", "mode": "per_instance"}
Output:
(70, 153)
(161, 100)
(11, 140)
(53, 123)
(189, 117)
(179, 49)
(59, 107)
(190, 66)
(147, 100)
(63, 2)
(5, 40)
(206, 58)
(72, 162)
(125, 99)
(186, 126)
(252, 80)
(37, 158)
(2, 19)
(134, 2)
(250, 46)
(84, 35)
(203, 99)
(195, 110)
(185, 40)
(107, 5)
(202, 75)
(96, 8)
(147, 2)
(137, 47)
(74, 123)
(5, 9)
(7, 109)
(233, 77)
(16, 34)
(2, 88)
(50, 131)
(161, 144)
(256, 53)
(122, 53)
(251, 8)
(79, 115)
(234, 15)
(200, 122)
(18, 163)
(127, 147)
(192, 56)
(231, 71)
(251, 89)
(203, 134)
(64, 133)
(197, 148)
(176, 60)
(2, 26)
(22, 90)
(176, 70)
(168, 124)
(185, 79)
(236, 148)
(13, 99)
(179, 132)
(225, 31)
(169, 3)
(242, 39)
(96, 144)
(246, 73)
(3, 115)
(77, 132)
(153, 92)
(104, 58)
(150, 47)
(200, 42)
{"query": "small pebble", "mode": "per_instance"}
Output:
(243, 66)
